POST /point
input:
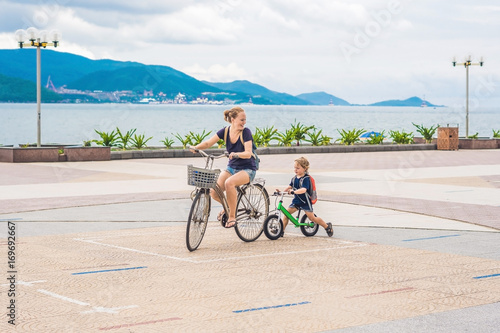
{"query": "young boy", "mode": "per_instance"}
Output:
(301, 199)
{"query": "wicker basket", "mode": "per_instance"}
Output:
(200, 177)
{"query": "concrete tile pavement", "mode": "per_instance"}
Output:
(416, 240)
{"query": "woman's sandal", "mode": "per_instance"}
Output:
(228, 226)
(221, 214)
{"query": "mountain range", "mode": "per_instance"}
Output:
(77, 73)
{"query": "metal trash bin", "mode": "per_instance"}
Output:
(447, 138)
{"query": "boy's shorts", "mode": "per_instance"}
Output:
(304, 206)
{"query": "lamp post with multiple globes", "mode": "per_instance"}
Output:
(38, 39)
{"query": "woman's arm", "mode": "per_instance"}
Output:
(246, 154)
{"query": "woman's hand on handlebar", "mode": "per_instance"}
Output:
(193, 149)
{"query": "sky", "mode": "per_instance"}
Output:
(362, 51)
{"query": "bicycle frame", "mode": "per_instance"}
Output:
(282, 210)
(252, 205)
(240, 189)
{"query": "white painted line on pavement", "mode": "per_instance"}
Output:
(134, 250)
(343, 244)
(64, 298)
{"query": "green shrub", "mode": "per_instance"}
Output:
(317, 138)
(107, 139)
(185, 141)
(375, 139)
(124, 139)
(496, 134)
(197, 138)
(286, 138)
(401, 137)
(350, 137)
(300, 131)
(427, 132)
(139, 141)
(265, 135)
(167, 142)
(473, 136)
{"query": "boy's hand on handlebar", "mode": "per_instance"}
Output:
(193, 149)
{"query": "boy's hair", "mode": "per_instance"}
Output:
(303, 162)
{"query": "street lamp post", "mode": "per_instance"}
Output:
(467, 64)
(38, 39)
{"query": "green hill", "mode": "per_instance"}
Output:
(77, 72)
(259, 94)
(412, 101)
(18, 90)
(62, 67)
(322, 98)
(138, 78)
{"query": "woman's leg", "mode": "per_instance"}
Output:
(231, 183)
(222, 179)
(224, 175)
(316, 219)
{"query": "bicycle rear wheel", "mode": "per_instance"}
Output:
(252, 209)
(198, 219)
(307, 230)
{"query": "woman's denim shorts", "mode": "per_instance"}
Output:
(251, 173)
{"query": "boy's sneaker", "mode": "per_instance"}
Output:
(329, 230)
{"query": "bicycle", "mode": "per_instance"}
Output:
(273, 225)
(252, 205)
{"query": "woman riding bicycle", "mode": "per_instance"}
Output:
(241, 167)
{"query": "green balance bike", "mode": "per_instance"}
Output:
(273, 224)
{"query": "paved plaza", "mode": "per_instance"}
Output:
(100, 246)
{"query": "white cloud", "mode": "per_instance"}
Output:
(217, 72)
(8, 41)
(286, 45)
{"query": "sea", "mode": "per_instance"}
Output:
(75, 123)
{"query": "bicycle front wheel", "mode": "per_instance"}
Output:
(273, 227)
(197, 220)
(252, 209)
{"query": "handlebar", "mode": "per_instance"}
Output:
(277, 193)
(211, 156)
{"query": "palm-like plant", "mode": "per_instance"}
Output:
(184, 140)
(221, 143)
(401, 137)
(167, 142)
(286, 138)
(325, 140)
(496, 134)
(265, 135)
(197, 138)
(300, 131)
(107, 139)
(376, 139)
(317, 138)
(350, 137)
(427, 132)
(139, 141)
(124, 138)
